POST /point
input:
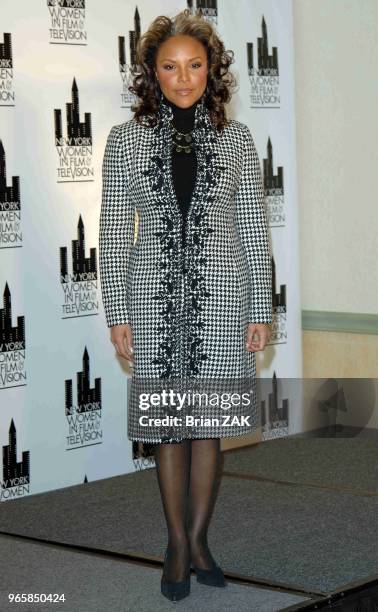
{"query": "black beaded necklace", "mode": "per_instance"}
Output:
(182, 141)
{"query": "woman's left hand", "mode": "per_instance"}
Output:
(262, 331)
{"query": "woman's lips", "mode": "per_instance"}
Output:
(184, 92)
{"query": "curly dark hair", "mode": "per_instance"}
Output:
(220, 82)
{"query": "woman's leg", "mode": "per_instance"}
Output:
(173, 469)
(203, 488)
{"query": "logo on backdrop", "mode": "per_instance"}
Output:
(279, 323)
(6, 71)
(274, 190)
(274, 412)
(10, 207)
(127, 98)
(80, 284)
(75, 148)
(208, 8)
(143, 455)
(263, 75)
(12, 343)
(16, 474)
(67, 22)
(84, 415)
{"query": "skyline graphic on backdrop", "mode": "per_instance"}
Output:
(278, 326)
(82, 266)
(74, 148)
(87, 398)
(8, 194)
(79, 282)
(278, 298)
(12, 345)
(208, 8)
(10, 335)
(15, 473)
(273, 183)
(273, 189)
(267, 63)
(274, 411)
(74, 127)
(127, 62)
(10, 207)
(6, 55)
(84, 416)
(263, 71)
(134, 36)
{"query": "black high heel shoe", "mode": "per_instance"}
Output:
(175, 590)
(211, 577)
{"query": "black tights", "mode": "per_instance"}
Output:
(188, 477)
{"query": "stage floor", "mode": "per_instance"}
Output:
(294, 517)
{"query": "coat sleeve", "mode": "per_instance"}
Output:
(252, 228)
(116, 229)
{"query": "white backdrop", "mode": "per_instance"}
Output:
(55, 349)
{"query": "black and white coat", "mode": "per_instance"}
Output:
(188, 308)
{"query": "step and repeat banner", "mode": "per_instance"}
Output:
(64, 77)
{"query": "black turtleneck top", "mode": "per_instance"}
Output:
(184, 165)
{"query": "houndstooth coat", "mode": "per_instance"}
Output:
(188, 308)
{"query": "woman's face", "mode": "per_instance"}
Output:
(181, 69)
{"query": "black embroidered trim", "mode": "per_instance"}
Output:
(180, 351)
(167, 295)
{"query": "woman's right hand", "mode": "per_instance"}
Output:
(122, 338)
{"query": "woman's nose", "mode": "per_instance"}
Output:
(183, 74)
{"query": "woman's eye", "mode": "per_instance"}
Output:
(168, 66)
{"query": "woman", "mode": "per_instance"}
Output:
(186, 300)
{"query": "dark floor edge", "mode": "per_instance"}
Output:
(337, 596)
(356, 492)
(152, 560)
